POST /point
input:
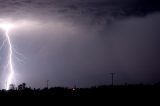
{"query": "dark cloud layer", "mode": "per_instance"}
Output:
(96, 8)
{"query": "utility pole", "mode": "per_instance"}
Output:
(112, 78)
(47, 83)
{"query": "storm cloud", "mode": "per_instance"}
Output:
(77, 8)
(79, 42)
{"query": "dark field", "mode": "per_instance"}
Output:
(123, 91)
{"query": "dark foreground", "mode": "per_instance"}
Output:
(101, 91)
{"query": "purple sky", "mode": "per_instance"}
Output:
(79, 42)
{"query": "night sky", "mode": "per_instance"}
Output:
(80, 42)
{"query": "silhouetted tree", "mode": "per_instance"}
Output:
(12, 87)
(22, 86)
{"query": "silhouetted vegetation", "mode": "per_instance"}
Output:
(138, 90)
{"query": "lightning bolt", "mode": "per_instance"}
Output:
(6, 28)
(10, 64)
(11, 52)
